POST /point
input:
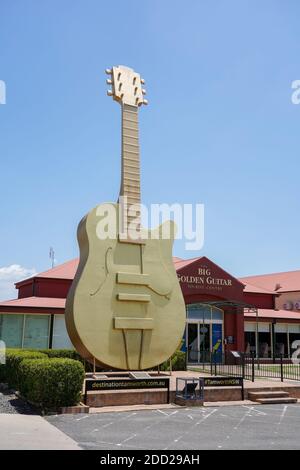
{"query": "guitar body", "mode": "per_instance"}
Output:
(125, 309)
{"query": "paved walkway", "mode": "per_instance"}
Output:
(258, 383)
(18, 432)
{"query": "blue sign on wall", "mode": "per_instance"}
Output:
(217, 347)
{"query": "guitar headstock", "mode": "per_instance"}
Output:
(126, 86)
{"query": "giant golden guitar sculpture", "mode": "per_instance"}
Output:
(125, 309)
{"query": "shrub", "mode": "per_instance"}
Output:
(71, 354)
(178, 361)
(51, 383)
(14, 358)
(62, 353)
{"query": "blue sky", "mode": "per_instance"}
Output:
(220, 128)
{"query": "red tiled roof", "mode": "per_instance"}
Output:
(269, 313)
(276, 282)
(176, 259)
(249, 288)
(181, 263)
(62, 271)
(265, 284)
(44, 302)
(68, 269)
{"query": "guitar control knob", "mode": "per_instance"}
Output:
(108, 81)
(145, 102)
(142, 81)
(108, 71)
(109, 93)
(144, 91)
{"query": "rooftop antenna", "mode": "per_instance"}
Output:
(52, 256)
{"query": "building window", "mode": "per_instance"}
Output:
(250, 343)
(264, 340)
(250, 338)
(60, 338)
(204, 313)
(11, 330)
(281, 346)
(294, 338)
(36, 332)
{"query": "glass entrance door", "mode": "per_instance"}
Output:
(198, 341)
(193, 342)
(204, 339)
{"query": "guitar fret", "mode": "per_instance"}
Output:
(131, 145)
(126, 164)
(128, 159)
(131, 151)
(130, 136)
(132, 122)
(131, 176)
(134, 193)
(130, 141)
(130, 183)
(130, 173)
(132, 179)
(130, 111)
(135, 121)
(130, 129)
(132, 200)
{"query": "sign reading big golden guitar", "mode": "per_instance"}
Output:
(125, 309)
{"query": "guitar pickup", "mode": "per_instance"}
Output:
(134, 297)
(131, 323)
(135, 279)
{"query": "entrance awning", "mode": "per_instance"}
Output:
(229, 303)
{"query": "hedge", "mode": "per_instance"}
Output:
(10, 372)
(57, 353)
(51, 383)
(178, 361)
(62, 353)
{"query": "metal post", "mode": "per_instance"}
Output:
(215, 361)
(281, 367)
(256, 335)
(253, 366)
(243, 365)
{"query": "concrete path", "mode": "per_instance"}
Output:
(19, 432)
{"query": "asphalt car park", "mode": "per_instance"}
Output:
(225, 427)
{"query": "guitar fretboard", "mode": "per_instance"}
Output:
(130, 179)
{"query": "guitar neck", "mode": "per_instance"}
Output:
(130, 182)
(130, 175)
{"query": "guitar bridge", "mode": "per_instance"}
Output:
(133, 323)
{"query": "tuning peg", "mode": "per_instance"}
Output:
(142, 81)
(108, 81)
(109, 93)
(145, 102)
(144, 91)
(108, 71)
